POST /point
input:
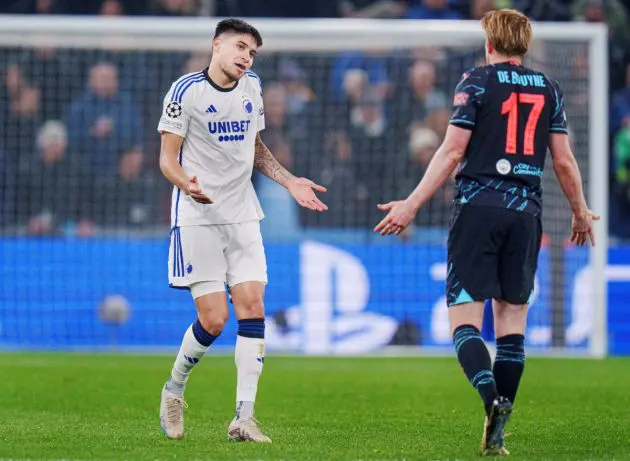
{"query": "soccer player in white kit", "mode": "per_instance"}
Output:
(210, 145)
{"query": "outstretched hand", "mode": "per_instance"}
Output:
(303, 191)
(401, 214)
(194, 190)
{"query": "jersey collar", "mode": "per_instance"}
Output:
(215, 86)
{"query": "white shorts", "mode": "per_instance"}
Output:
(225, 253)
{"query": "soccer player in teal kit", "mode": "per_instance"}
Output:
(505, 117)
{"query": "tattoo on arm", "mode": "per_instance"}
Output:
(267, 164)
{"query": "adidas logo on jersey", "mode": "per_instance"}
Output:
(211, 109)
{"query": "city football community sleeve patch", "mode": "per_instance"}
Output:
(173, 109)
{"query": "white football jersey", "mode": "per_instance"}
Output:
(219, 128)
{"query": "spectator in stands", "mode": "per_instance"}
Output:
(298, 101)
(276, 121)
(356, 85)
(480, 7)
(373, 63)
(348, 197)
(8, 193)
(430, 9)
(127, 197)
(279, 8)
(431, 53)
(111, 8)
(620, 106)
(371, 8)
(371, 137)
(22, 121)
(174, 8)
(575, 95)
(35, 7)
(437, 121)
(415, 158)
(54, 197)
(300, 95)
(53, 71)
(620, 197)
(13, 81)
(104, 123)
(422, 145)
(424, 98)
(367, 118)
(549, 10)
(137, 69)
(196, 63)
(293, 102)
(620, 129)
(14, 78)
(610, 11)
(615, 15)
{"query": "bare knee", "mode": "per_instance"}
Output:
(212, 311)
(213, 322)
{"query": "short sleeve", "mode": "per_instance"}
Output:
(468, 98)
(558, 123)
(175, 116)
(261, 112)
(260, 120)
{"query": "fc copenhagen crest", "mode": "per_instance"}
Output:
(248, 105)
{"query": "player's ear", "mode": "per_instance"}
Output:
(489, 47)
(216, 43)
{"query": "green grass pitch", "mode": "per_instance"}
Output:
(87, 407)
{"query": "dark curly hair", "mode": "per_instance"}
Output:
(240, 27)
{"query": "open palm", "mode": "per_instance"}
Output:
(400, 215)
(303, 191)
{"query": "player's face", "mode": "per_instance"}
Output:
(236, 53)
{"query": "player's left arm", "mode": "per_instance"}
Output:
(301, 189)
(269, 165)
(441, 167)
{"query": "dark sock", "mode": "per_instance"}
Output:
(475, 360)
(201, 335)
(251, 328)
(509, 364)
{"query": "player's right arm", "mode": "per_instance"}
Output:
(173, 171)
(568, 174)
(468, 98)
(173, 127)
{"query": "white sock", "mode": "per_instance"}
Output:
(190, 352)
(249, 357)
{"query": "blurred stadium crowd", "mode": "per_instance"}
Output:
(78, 146)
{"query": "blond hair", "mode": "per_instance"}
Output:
(509, 31)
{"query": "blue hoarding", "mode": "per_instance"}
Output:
(321, 299)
